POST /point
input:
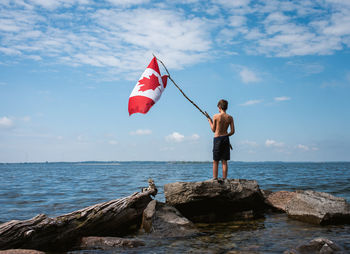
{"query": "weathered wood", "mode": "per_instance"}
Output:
(113, 218)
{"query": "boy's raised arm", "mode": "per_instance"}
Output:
(212, 123)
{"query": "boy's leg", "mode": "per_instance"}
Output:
(215, 169)
(224, 169)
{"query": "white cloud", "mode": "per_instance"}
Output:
(232, 4)
(248, 76)
(53, 4)
(108, 38)
(237, 21)
(116, 39)
(308, 68)
(175, 137)
(306, 148)
(81, 138)
(194, 137)
(282, 98)
(127, 2)
(249, 143)
(6, 123)
(10, 51)
(141, 132)
(251, 102)
(285, 28)
(273, 143)
(303, 147)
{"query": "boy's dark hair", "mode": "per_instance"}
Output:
(223, 104)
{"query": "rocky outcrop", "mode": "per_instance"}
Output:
(317, 246)
(214, 200)
(318, 208)
(311, 206)
(280, 199)
(105, 243)
(21, 251)
(161, 220)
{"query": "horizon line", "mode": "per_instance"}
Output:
(186, 161)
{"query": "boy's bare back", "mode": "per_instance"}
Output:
(221, 122)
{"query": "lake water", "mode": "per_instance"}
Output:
(28, 189)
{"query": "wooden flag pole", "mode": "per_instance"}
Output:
(194, 104)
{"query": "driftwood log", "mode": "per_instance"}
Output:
(114, 218)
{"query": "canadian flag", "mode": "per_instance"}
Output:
(148, 89)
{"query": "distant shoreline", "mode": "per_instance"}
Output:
(153, 161)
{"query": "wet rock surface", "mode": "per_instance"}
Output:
(105, 243)
(212, 200)
(317, 246)
(162, 220)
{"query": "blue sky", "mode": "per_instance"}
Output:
(67, 69)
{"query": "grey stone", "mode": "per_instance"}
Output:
(21, 251)
(318, 208)
(213, 200)
(105, 243)
(162, 220)
(317, 246)
(310, 206)
(279, 200)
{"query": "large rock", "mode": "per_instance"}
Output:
(214, 200)
(317, 246)
(21, 251)
(311, 206)
(161, 220)
(280, 199)
(105, 243)
(318, 208)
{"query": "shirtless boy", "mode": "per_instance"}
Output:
(221, 147)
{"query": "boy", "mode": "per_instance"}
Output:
(221, 147)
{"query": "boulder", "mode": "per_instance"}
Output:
(213, 200)
(317, 246)
(318, 208)
(21, 251)
(105, 243)
(279, 200)
(162, 220)
(310, 206)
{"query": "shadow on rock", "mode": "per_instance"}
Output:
(162, 220)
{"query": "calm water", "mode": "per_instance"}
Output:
(56, 188)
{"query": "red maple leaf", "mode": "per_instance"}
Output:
(149, 83)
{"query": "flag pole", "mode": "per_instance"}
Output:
(194, 104)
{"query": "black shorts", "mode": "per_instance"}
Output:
(221, 148)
